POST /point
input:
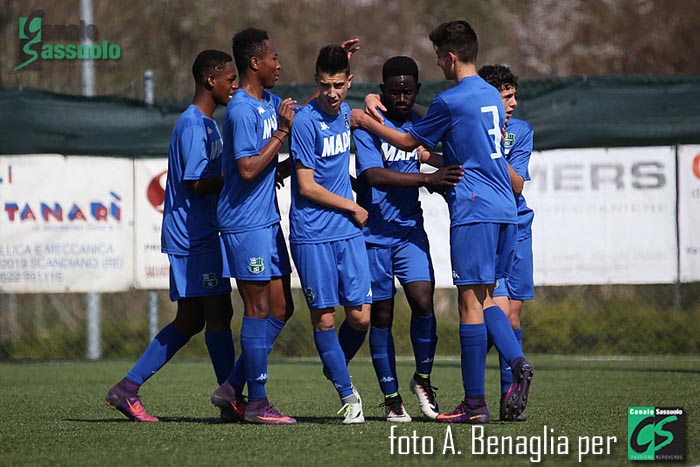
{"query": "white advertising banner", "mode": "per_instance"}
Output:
(151, 267)
(66, 223)
(604, 216)
(436, 219)
(689, 212)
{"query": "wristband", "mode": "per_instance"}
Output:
(283, 131)
(278, 139)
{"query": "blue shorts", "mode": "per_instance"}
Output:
(258, 255)
(333, 273)
(197, 275)
(409, 261)
(481, 252)
(520, 283)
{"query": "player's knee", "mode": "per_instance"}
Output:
(423, 306)
(381, 318)
(189, 327)
(359, 321)
(323, 322)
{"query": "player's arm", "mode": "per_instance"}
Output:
(309, 189)
(516, 181)
(197, 174)
(251, 166)
(207, 186)
(373, 106)
(519, 159)
(444, 177)
(399, 139)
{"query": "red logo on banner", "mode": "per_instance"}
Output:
(156, 191)
(696, 166)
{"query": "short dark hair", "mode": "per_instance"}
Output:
(332, 59)
(499, 76)
(400, 66)
(457, 37)
(207, 63)
(247, 44)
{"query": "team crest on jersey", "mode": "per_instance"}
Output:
(324, 126)
(510, 140)
(346, 120)
(309, 294)
(256, 265)
(209, 280)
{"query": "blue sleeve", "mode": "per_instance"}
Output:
(519, 156)
(430, 129)
(193, 150)
(244, 125)
(368, 151)
(303, 142)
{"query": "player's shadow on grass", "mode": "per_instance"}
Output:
(579, 366)
(203, 420)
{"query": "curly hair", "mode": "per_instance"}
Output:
(499, 76)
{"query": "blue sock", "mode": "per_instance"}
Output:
(333, 360)
(350, 340)
(221, 352)
(237, 376)
(392, 356)
(501, 333)
(506, 371)
(274, 328)
(472, 338)
(424, 340)
(379, 339)
(161, 349)
(254, 345)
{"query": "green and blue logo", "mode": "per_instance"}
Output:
(655, 434)
(39, 41)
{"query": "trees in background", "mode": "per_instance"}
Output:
(538, 38)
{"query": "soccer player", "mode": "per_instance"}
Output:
(397, 245)
(255, 126)
(468, 120)
(511, 292)
(190, 237)
(325, 224)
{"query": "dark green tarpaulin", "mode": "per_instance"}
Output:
(578, 112)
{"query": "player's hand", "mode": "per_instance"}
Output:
(350, 46)
(360, 216)
(357, 116)
(424, 158)
(373, 103)
(285, 114)
(445, 177)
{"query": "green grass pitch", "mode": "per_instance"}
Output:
(54, 414)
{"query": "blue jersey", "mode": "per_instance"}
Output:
(189, 220)
(321, 142)
(248, 126)
(518, 149)
(393, 211)
(468, 120)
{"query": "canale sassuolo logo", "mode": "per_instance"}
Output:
(39, 42)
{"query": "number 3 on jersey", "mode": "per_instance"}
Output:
(495, 131)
